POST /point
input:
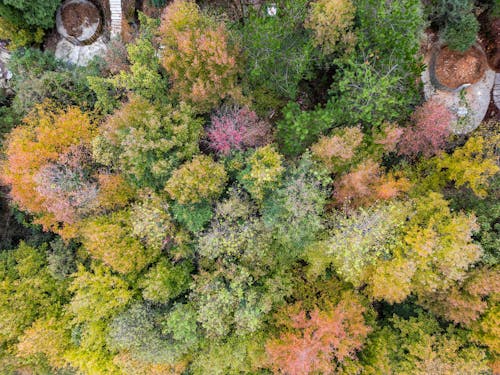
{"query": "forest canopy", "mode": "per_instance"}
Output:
(234, 188)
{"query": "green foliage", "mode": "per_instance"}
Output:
(193, 216)
(110, 239)
(201, 179)
(294, 211)
(18, 35)
(420, 346)
(147, 142)
(97, 294)
(263, 172)
(138, 330)
(144, 76)
(299, 129)
(367, 94)
(38, 76)
(165, 281)
(461, 35)
(381, 27)
(30, 13)
(282, 38)
(456, 21)
(27, 290)
(357, 241)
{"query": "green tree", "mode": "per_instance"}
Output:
(201, 179)
(147, 142)
(110, 239)
(263, 172)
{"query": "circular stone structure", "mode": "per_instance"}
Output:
(453, 70)
(79, 21)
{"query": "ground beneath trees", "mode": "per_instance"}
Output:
(454, 69)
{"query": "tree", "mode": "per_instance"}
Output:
(37, 76)
(42, 153)
(138, 71)
(418, 345)
(427, 135)
(199, 55)
(465, 301)
(236, 129)
(337, 150)
(294, 211)
(27, 291)
(299, 129)
(110, 239)
(331, 21)
(269, 39)
(201, 179)
(456, 21)
(48, 336)
(147, 142)
(97, 294)
(30, 13)
(366, 184)
(309, 343)
(137, 330)
(357, 241)
(166, 281)
(435, 251)
(471, 165)
(263, 172)
(151, 221)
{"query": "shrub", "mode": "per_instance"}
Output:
(199, 55)
(17, 35)
(456, 22)
(331, 21)
(427, 135)
(461, 34)
(201, 179)
(236, 129)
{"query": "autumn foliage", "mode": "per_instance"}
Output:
(199, 55)
(366, 184)
(236, 129)
(428, 132)
(47, 164)
(312, 342)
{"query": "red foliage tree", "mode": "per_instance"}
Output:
(237, 128)
(311, 343)
(427, 135)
